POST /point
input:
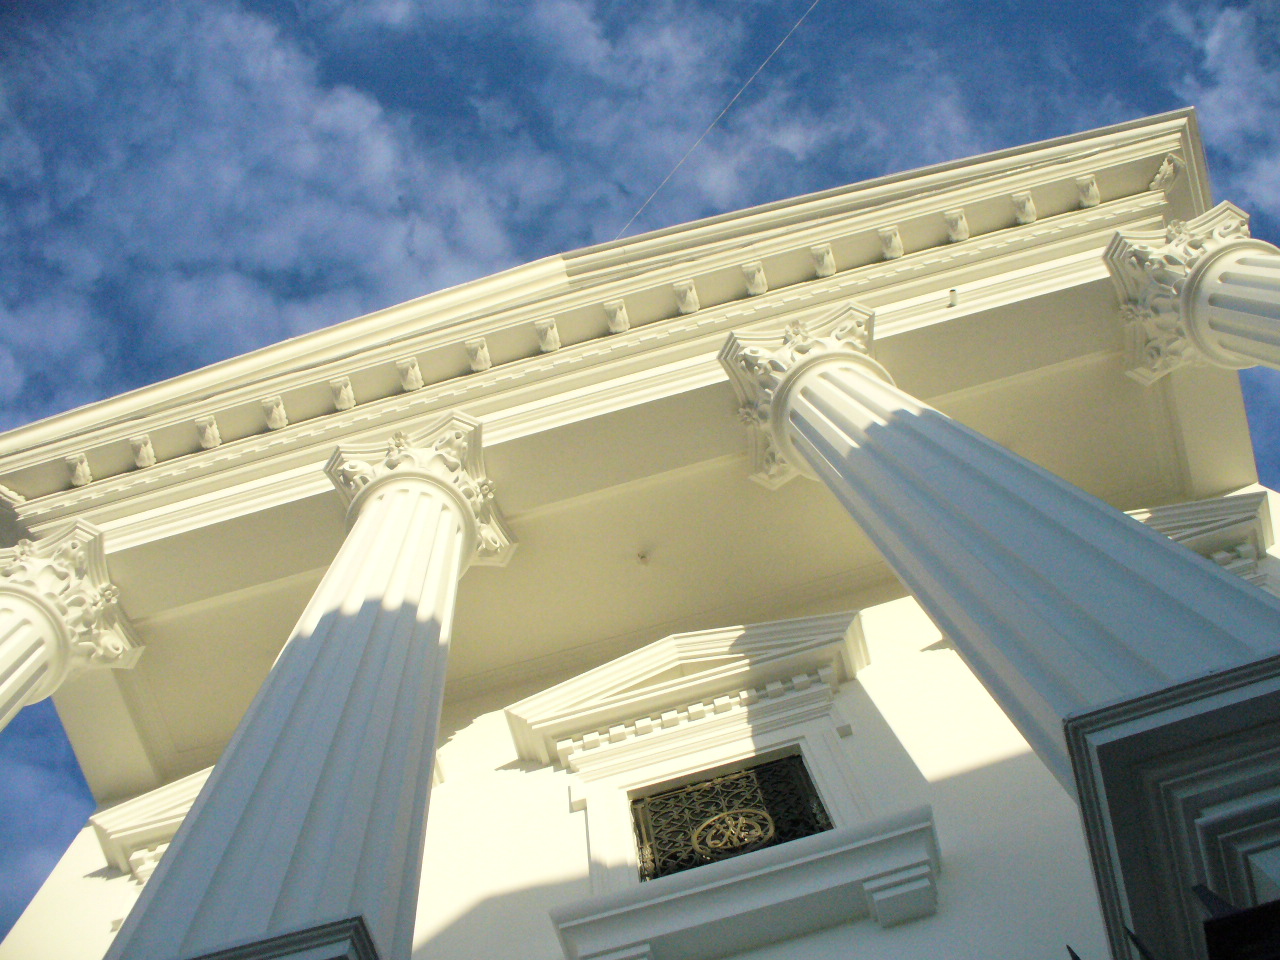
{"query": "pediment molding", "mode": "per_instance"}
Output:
(135, 833)
(1232, 531)
(688, 684)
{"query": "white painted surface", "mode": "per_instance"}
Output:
(1058, 602)
(622, 468)
(315, 812)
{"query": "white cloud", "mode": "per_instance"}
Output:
(1234, 81)
(185, 167)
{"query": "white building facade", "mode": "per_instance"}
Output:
(758, 587)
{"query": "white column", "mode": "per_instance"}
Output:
(316, 811)
(1057, 602)
(1199, 291)
(59, 614)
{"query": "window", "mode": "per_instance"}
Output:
(725, 816)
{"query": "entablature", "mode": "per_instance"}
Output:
(282, 424)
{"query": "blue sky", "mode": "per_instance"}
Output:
(184, 181)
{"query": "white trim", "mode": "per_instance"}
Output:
(886, 870)
(689, 704)
(685, 678)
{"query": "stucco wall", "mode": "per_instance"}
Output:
(504, 847)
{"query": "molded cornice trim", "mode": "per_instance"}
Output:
(886, 870)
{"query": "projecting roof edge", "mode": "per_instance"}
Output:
(532, 390)
(162, 424)
(551, 275)
(866, 193)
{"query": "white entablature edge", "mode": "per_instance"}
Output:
(686, 684)
(189, 428)
(592, 378)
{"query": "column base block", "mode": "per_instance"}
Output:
(1178, 788)
(340, 940)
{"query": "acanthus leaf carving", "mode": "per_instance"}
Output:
(67, 572)
(478, 354)
(619, 322)
(274, 413)
(449, 453)
(144, 454)
(686, 296)
(890, 242)
(759, 365)
(824, 260)
(1024, 208)
(1151, 269)
(410, 374)
(756, 280)
(957, 225)
(81, 475)
(210, 435)
(1167, 175)
(548, 335)
(1087, 191)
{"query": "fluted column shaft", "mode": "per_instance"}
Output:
(317, 810)
(59, 615)
(1057, 602)
(29, 653)
(1234, 306)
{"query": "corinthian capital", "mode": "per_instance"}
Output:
(763, 366)
(448, 453)
(1154, 272)
(64, 577)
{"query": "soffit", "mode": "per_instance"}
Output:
(621, 464)
(644, 522)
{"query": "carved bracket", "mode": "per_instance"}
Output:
(449, 452)
(759, 364)
(1151, 269)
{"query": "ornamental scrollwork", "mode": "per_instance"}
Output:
(758, 366)
(1152, 270)
(448, 452)
(67, 572)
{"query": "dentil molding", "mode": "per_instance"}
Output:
(686, 680)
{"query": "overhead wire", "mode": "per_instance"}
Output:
(719, 116)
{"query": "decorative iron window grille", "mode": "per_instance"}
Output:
(725, 816)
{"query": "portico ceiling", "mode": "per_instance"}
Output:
(619, 459)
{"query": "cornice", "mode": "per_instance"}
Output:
(1170, 133)
(369, 372)
(585, 379)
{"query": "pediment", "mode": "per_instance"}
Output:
(146, 822)
(1232, 531)
(686, 669)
